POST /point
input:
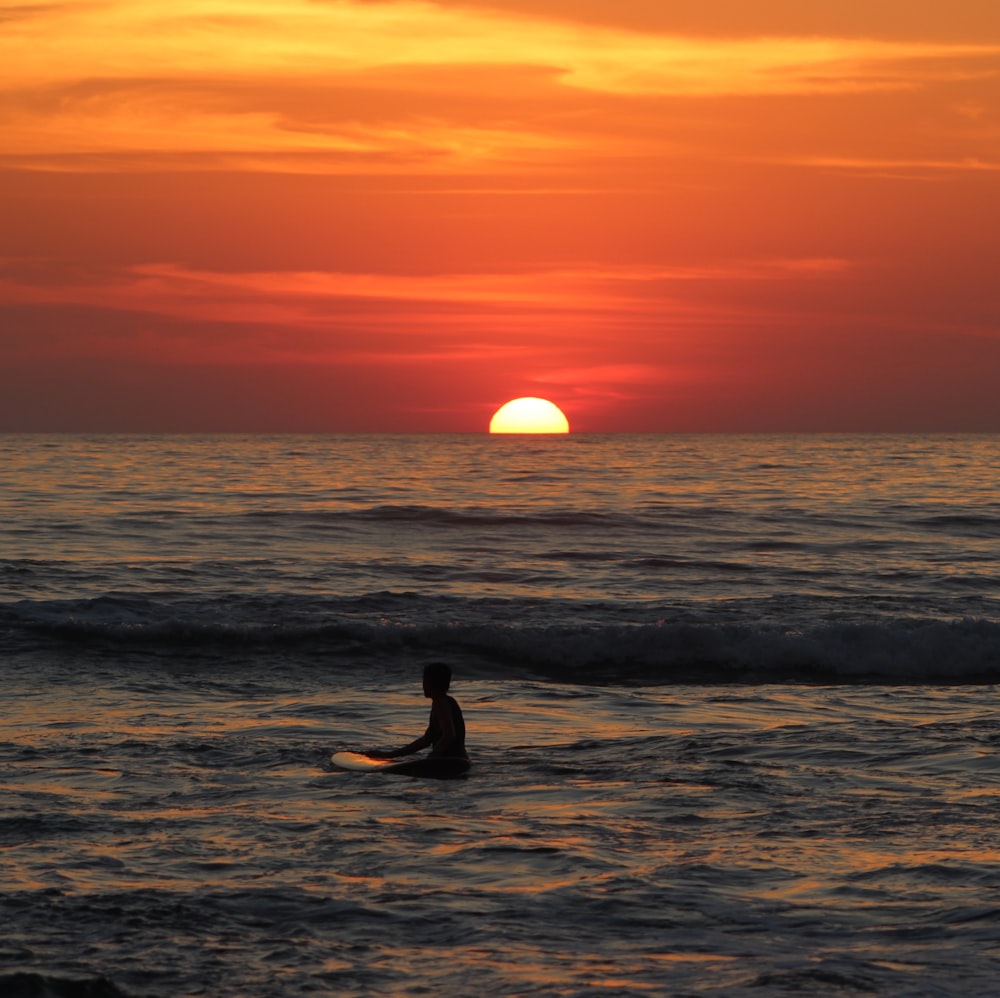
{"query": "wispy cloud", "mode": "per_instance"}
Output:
(293, 39)
(210, 317)
(266, 297)
(387, 86)
(900, 167)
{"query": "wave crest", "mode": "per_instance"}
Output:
(498, 638)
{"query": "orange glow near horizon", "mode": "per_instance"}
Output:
(252, 215)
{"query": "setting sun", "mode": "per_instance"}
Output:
(529, 415)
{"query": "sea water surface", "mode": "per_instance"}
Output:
(731, 702)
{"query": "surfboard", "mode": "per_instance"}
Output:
(358, 762)
(441, 768)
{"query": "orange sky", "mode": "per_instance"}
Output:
(332, 215)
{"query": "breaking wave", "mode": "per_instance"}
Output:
(595, 644)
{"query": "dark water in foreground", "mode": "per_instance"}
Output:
(731, 703)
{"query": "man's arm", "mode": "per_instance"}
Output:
(415, 746)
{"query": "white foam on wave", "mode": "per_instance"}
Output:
(559, 641)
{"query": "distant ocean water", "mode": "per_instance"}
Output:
(731, 702)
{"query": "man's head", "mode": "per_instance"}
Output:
(437, 678)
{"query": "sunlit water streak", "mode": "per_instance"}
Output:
(711, 688)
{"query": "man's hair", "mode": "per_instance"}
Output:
(438, 676)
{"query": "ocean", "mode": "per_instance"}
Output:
(731, 703)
